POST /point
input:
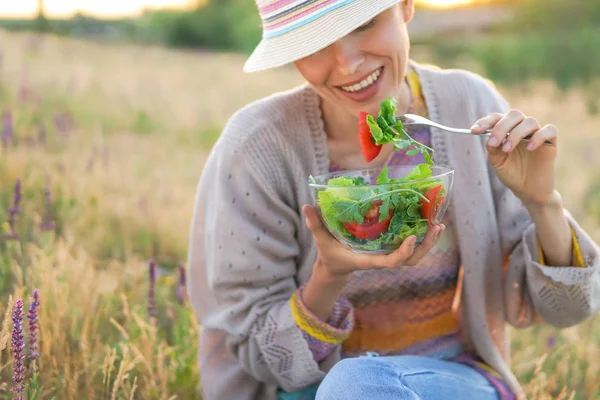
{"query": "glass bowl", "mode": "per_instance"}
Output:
(374, 210)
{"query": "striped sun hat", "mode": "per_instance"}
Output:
(294, 29)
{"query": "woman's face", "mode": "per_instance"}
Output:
(366, 66)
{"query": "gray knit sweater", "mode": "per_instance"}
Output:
(250, 250)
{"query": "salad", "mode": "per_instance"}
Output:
(382, 215)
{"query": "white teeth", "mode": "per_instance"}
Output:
(364, 83)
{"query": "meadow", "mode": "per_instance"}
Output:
(107, 142)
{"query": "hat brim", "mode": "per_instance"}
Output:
(314, 36)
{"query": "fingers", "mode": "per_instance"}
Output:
(487, 122)
(391, 260)
(510, 129)
(406, 255)
(528, 126)
(547, 133)
(504, 126)
(430, 241)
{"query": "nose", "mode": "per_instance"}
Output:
(347, 55)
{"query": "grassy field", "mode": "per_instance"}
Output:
(116, 137)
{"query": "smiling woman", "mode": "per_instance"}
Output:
(288, 311)
(107, 8)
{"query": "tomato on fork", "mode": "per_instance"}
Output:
(369, 149)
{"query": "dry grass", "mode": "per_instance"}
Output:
(123, 184)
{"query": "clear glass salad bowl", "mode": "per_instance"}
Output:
(374, 210)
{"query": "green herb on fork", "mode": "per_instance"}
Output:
(386, 128)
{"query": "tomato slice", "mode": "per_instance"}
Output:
(371, 228)
(368, 148)
(430, 209)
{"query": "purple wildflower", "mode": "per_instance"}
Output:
(32, 317)
(14, 210)
(152, 288)
(7, 128)
(63, 122)
(18, 347)
(551, 341)
(47, 223)
(181, 284)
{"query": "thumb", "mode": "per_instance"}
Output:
(496, 156)
(314, 223)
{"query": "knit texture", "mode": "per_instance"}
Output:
(250, 249)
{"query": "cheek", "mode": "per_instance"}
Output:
(390, 46)
(312, 70)
(389, 41)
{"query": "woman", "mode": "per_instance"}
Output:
(287, 312)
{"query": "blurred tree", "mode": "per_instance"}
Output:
(553, 40)
(557, 15)
(41, 23)
(231, 25)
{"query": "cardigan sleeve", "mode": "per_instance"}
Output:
(561, 295)
(323, 337)
(243, 257)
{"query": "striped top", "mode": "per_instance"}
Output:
(281, 16)
(400, 311)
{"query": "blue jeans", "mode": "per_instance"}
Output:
(403, 378)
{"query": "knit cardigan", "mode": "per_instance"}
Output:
(250, 249)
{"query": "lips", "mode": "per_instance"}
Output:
(365, 89)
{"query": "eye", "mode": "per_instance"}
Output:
(366, 26)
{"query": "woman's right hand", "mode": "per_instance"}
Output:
(336, 261)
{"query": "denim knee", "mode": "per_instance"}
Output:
(363, 378)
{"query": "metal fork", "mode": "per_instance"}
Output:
(417, 120)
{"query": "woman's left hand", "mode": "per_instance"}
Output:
(526, 168)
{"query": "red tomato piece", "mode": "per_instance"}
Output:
(368, 148)
(430, 209)
(371, 228)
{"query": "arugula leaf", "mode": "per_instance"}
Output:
(382, 133)
(384, 209)
(387, 110)
(383, 177)
(376, 131)
(348, 211)
(420, 171)
(427, 157)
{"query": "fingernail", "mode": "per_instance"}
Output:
(492, 141)
(507, 146)
(530, 146)
(475, 127)
(412, 240)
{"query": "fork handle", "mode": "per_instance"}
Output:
(525, 139)
(489, 132)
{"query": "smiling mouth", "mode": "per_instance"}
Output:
(364, 84)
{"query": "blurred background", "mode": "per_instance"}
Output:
(109, 110)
